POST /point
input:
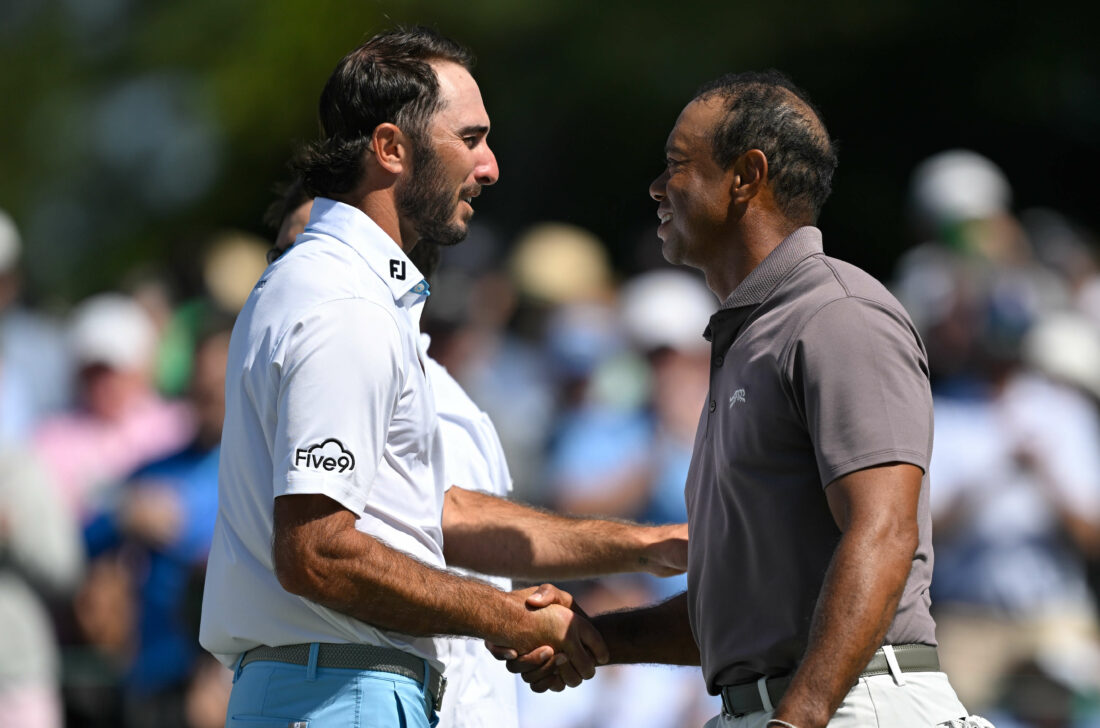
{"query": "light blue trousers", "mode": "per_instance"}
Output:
(280, 695)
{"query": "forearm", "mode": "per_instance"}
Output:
(857, 604)
(495, 536)
(659, 634)
(319, 555)
(363, 578)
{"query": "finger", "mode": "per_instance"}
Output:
(501, 653)
(541, 658)
(580, 659)
(567, 672)
(551, 682)
(534, 677)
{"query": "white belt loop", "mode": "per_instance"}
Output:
(765, 699)
(892, 663)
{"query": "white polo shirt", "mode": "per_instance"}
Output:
(480, 693)
(325, 394)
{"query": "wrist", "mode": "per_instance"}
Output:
(788, 715)
(665, 550)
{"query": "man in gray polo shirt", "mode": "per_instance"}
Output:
(810, 555)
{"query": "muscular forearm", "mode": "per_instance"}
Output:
(659, 634)
(857, 604)
(496, 536)
(319, 555)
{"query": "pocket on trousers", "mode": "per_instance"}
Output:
(259, 721)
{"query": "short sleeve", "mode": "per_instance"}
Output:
(860, 375)
(342, 374)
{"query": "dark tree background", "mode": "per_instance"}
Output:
(134, 129)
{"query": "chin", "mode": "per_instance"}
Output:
(671, 252)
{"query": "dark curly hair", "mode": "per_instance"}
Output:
(387, 79)
(766, 111)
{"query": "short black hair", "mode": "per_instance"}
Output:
(289, 196)
(766, 111)
(386, 79)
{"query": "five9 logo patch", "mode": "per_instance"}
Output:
(330, 455)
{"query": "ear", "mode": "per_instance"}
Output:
(750, 175)
(390, 148)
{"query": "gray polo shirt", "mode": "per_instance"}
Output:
(816, 372)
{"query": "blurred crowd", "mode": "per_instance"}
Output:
(111, 413)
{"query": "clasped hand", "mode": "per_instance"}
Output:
(570, 655)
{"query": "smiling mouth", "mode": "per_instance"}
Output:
(664, 216)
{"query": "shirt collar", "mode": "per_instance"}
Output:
(356, 229)
(796, 247)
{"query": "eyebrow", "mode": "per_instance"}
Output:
(468, 130)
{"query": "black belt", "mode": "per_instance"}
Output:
(356, 657)
(743, 699)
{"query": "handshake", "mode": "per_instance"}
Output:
(563, 648)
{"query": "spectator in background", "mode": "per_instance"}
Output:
(162, 523)
(628, 456)
(1016, 460)
(120, 421)
(34, 366)
(40, 561)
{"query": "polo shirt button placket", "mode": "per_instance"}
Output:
(713, 406)
(718, 360)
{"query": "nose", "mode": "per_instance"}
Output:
(657, 186)
(487, 172)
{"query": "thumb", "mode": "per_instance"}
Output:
(548, 594)
(593, 641)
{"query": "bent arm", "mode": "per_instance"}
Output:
(319, 555)
(876, 510)
(492, 535)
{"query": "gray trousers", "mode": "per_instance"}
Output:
(922, 700)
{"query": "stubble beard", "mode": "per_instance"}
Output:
(426, 202)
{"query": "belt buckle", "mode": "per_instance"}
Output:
(726, 707)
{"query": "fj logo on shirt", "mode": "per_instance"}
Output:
(330, 455)
(397, 269)
(738, 396)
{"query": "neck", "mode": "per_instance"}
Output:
(379, 204)
(753, 240)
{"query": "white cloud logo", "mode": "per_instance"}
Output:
(329, 455)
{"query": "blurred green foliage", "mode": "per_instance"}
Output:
(134, 129)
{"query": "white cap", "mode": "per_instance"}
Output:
(1066, 346)
(10, 242)
(111, 329)
(959, 185)
(667, 308)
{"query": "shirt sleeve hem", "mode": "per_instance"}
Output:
(870, 460)
(339, 490)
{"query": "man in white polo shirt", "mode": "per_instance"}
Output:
(325, 583)
(499, 533)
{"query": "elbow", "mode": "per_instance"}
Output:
(456, 511)
(893, 542)
(908, 539)
(901, 543)
(294, 571)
